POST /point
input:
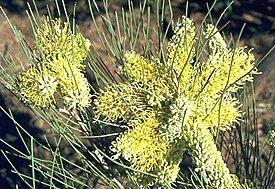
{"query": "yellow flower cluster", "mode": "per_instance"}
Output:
(152, 75)
(171, 108)
(39, 85)
(217, 113)
(55, 40)
(181, 49)
(121, 101)
(227, 70)
(141, 143)
(271, 137)
(141, 146)
(207, 158)
(60, 72)
(216, 41)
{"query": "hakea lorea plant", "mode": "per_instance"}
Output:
(59, 73)
(177, 106)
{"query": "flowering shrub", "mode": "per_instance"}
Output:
(159, 124)
(177, 107)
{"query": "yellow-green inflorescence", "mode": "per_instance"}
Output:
(176, 107)
(271, 137)
(59, 74)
